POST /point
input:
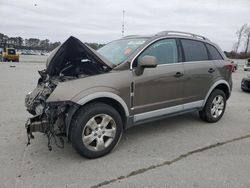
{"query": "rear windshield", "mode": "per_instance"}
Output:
(11, 51)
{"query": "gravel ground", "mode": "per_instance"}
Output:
(180, 151)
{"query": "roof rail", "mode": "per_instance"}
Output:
(182, 33)
(130, 36)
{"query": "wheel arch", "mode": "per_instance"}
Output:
(222, 85)
(104, 97)
(114, 103)
(108, 96)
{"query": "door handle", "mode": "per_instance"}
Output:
(211, 70)
(178, 75)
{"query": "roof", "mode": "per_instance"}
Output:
(170, 33)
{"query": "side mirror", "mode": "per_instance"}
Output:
(145, 62)
(148, 62)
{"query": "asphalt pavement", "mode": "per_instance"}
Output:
(179, 151)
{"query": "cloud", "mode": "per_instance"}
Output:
(100, 20)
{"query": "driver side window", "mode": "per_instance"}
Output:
(164, 50)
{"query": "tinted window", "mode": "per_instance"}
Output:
(194, 50)
(214, 54)
(165, 51)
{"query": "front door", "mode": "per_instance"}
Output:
(159, 90)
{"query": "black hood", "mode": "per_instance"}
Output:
(74, 57)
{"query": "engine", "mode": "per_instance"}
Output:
(35, 100)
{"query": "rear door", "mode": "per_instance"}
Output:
(159, 88)
(199, 72)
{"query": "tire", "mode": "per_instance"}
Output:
(214, 107)
(95, 130)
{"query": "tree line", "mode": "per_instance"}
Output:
(28, 44)
(34, 43)
(241, 48)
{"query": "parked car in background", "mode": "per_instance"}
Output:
(245, 83)
(247, 65)
(92, 96)
(235, 65)
(10, 54)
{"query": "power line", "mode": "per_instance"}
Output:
(123, 14)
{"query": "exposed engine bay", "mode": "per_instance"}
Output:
(71, 60)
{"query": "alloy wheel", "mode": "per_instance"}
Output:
(99, 132)
(217, 106)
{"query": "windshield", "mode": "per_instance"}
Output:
(117, 51)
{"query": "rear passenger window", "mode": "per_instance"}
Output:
(194, 50)
(214, 54)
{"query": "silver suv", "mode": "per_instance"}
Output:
(91, 96)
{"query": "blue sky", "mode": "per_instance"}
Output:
(101, 20)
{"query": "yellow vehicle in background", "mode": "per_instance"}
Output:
(10, 54)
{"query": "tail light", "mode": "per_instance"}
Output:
(229, 67)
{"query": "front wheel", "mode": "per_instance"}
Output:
(96, 129)
(214, 107)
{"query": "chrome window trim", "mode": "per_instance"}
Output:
(176, 37)
(97, 95)
(161, 65)
(191, 62)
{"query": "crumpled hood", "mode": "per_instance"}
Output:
(72, 53)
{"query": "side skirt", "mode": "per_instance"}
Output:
(131, 123)
(163, 113)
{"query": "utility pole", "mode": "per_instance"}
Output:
(123, 14)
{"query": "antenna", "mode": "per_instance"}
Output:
(123, 14)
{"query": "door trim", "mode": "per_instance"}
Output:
(169, 110)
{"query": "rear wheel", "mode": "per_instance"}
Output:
(96, 129)
(214, 107)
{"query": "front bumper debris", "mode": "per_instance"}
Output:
(36, 124)
(50, 123)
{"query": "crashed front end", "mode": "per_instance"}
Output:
(48, 117)
(72, 60)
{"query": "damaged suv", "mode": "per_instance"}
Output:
(91, 96)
